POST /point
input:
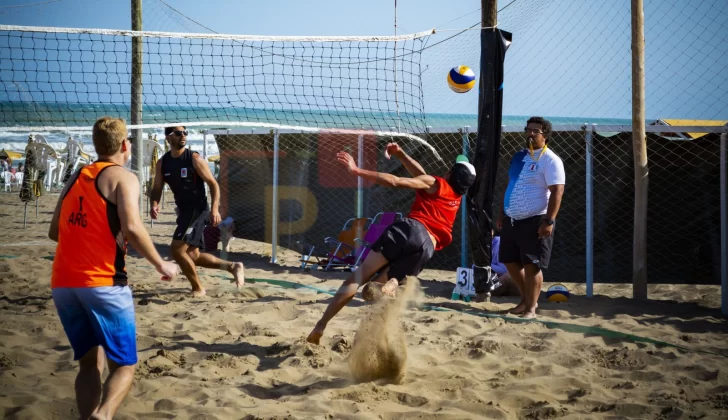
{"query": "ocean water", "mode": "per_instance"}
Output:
(28, 114)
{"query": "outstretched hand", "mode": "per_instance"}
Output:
(347, 161)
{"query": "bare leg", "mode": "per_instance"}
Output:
(187, 265)
(206, 260)
(88, 381)
(373, 263)
(518, 276)
(116, 388)
(534, 281)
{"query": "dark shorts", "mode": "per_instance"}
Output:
(191, 227)
(520, 242)
(407, 246)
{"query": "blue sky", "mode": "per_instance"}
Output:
(569, 58)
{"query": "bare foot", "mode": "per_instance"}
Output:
(199, 293)
(519, 309)
(97, 416)
(238, 272)
(529, 314)
(315, 336)
(390, 288)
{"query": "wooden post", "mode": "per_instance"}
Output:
(136, 98)
(489, 13)
(639, 146)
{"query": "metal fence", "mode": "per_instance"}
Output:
(286, 188)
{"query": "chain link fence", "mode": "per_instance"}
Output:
(316, 195)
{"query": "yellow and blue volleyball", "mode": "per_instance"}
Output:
(461, 79)
(557, 293)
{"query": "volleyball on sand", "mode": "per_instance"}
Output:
(557, 293)
(461, 79)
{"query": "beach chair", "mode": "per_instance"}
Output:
(19, 179)
(362, 245)
(8, 178)
(341, 246)
(76, 157)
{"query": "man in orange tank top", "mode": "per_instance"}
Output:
(404, 247)
(97, 213)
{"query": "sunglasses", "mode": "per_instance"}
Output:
(180, 133)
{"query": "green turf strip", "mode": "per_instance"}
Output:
(572, 328)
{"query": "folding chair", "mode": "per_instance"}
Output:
(380, 223)
(341, 246)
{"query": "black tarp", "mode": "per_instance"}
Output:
(494, 44)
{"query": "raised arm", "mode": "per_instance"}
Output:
(413, 167)
(421, 182)
(204, 172)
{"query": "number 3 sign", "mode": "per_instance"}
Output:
(464, 287)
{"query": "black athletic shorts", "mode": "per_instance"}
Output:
(191, 227)
(407, 246)
(520, 242)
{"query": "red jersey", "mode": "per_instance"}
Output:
(437, 211)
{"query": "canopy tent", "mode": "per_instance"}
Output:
(688, 123)
(9, 154)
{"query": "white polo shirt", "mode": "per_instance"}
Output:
(527, 194)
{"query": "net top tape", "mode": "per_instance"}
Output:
(262, 38)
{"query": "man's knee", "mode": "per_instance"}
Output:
(114, 366)
(92, 359)
(193, 253)
(532, 269)
(178, 250)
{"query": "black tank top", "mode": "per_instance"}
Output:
(180, 174)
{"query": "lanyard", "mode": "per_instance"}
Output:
(530, 148)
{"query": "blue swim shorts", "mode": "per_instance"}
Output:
(99, 316)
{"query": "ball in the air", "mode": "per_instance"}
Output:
(461, 79)
(557, 293)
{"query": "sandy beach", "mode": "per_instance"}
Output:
(242, 354)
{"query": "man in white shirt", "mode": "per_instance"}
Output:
(528, 213)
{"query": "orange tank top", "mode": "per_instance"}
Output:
(437, 211)
(91, 247)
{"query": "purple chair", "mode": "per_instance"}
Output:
(380, 223)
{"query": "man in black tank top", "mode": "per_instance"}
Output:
(186, 173)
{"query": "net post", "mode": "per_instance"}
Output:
(589, 137)
(723, 226)
(274, 206)
(360, 180)
(136, 96)
(639, 147)
(464, 208)
(25, 215)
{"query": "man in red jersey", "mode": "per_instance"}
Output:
(405, 246)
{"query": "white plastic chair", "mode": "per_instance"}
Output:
(8, 177)
(19, 179)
